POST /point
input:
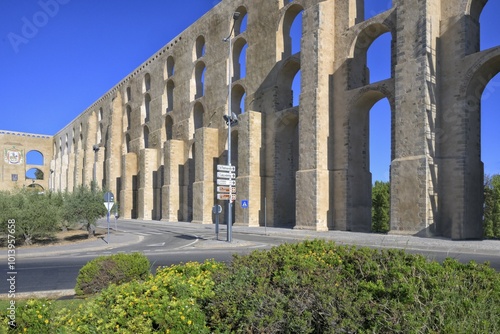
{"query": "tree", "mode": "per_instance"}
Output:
(492, 206)
(38, 174)
(381, 207)
(35, 215)
(84, 206)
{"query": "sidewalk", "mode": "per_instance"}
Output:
(116, 239)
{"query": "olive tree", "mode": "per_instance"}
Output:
(85, 206)
(35, 215)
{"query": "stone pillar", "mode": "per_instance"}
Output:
(113, 167)
(415, 107)
(128, 171)
(461, 171)
(64, 172)
(79, 164)
(248, 181)
(147, 165)
(206, 142)
(99, 166)
(88, 163)
(71, 171)
(174, 158)
(313, 177)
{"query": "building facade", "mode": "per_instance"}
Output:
(25, 160)
(156, 138)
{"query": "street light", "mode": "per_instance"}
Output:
(230, 121)
(96, 149)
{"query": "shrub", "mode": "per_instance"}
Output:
(169, 302)
(102, 271)
(319, 287)
(32, 317)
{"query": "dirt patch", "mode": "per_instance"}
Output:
(59, 238)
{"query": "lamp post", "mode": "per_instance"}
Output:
(235, 17)
(94, 176)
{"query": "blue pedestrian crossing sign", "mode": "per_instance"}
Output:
(244, 203)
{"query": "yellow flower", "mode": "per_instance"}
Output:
(189, 322)
(183, 317)
(46, 321)
(39, 316)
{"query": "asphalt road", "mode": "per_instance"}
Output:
(56, 268)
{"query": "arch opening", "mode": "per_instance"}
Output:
(380, 149)
(146, 137)
(199, 74)
(34, 174)
(169, 124)
(286, 88)
(240, 26)
(34, 157)
(490, 122)
(490, 25)
(375, 7)
(239, 59)
(379, 58)
(291, 32)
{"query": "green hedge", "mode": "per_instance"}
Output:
(102, 271)
(319, 287)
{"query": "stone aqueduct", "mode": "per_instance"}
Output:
(160, 131)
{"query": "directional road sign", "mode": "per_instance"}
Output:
(225, 189)
(225, 175)
(225, 197)
(226, 168)
(224, 182)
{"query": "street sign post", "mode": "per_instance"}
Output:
(109, 201)
(226, 190)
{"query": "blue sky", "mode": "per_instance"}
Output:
(56, 60)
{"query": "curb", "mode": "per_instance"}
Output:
(52, 294)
